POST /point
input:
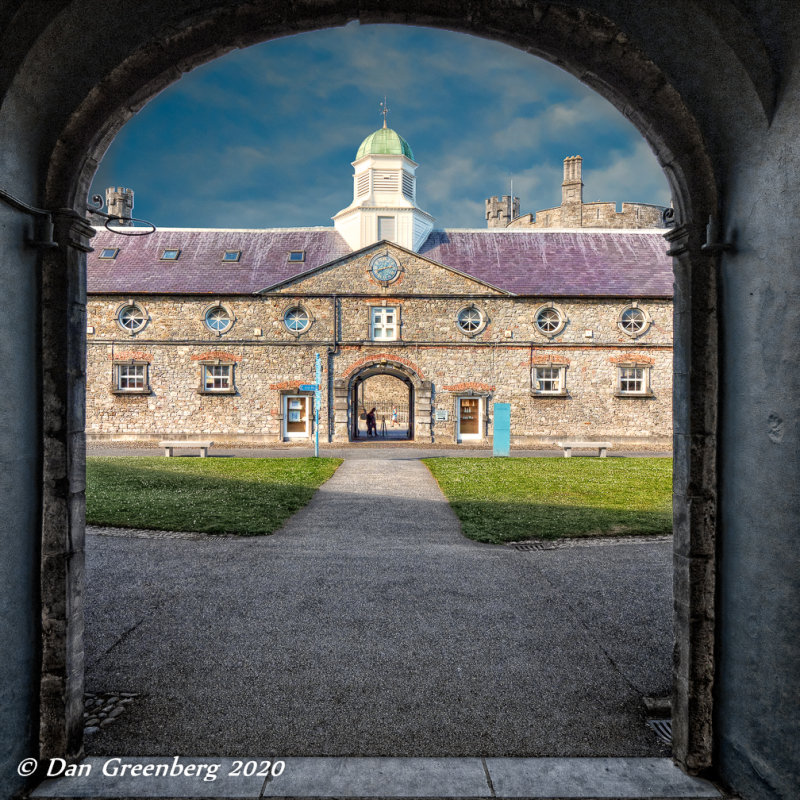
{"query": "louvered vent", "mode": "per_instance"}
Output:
(363, 184)
(385, 181)
(408, 186)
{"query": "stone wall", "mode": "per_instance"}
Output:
(593, 215)
(268, 362)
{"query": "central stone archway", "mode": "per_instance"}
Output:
(345, 402)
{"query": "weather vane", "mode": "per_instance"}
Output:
(384, 110)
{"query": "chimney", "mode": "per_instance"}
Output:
(500, 211)
(572, 187)
(119, 202)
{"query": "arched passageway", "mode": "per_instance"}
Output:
(714, 91)
(390, 396)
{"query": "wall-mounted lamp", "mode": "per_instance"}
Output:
(713, 245)
(43, 220)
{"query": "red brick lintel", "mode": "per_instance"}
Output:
(632, 358)
(220, 354)
(460, 387)
(131, 355)
(288, 384)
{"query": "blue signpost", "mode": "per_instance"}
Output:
(317, 401)
(501, 443)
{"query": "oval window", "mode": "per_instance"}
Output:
(469, 320)
(296, 319)
(132, 318)
(633, 321)
(218, 319)
(549, 321)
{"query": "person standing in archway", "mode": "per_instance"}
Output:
(372, 428)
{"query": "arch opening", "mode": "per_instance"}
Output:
(138, 73)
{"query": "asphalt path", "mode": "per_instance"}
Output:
(369, 626)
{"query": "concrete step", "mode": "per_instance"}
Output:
(540, 778)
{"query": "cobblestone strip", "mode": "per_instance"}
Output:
(100, 709)
(137, 533)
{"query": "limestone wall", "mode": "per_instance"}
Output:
(268, 362)
(593, 215)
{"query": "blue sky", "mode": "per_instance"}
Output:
(264, 137)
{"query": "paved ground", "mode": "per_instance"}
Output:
(368, 626)
(376, 450)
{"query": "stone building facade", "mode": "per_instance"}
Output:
(212, 333)
(503, 212)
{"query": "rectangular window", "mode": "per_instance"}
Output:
(363, 184)
(130, 378)
(231, 255)
(109, 252)
(632, 380)
(384, 323)
(386, 228)
(217, 377)
(549, 380)
(297, 255)
(170, 254)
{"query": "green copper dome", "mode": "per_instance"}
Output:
(384, 142)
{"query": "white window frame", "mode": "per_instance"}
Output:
(561, 389)
(644, 391)
(562, 320)
(470, 437)
(385, 219)
(377, 322)
(207, 377)
(308, 402)
(645, 315)
(131, 304)
(142, 367)
(481, 316)
(297, 307)
(229, 311)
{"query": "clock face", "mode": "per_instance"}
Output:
(384, 268)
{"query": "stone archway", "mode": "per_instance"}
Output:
(65, 95)
(344, 389)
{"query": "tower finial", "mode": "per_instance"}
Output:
(384, 111)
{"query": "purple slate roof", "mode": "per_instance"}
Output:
(559, 263)
(199, 268)
(546, 263)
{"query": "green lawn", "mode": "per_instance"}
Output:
(210, 495)
(510, 499)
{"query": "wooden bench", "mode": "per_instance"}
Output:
(170, 446)
(568, 447)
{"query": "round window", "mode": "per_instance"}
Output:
(469, 320)
(218, 319)
(296, 319)
(132, 318)
(549, 320)
(633, 321)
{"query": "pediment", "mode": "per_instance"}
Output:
(387, 268)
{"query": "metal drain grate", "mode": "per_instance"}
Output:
(528, 546)
(662, 728)
(588, 541)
